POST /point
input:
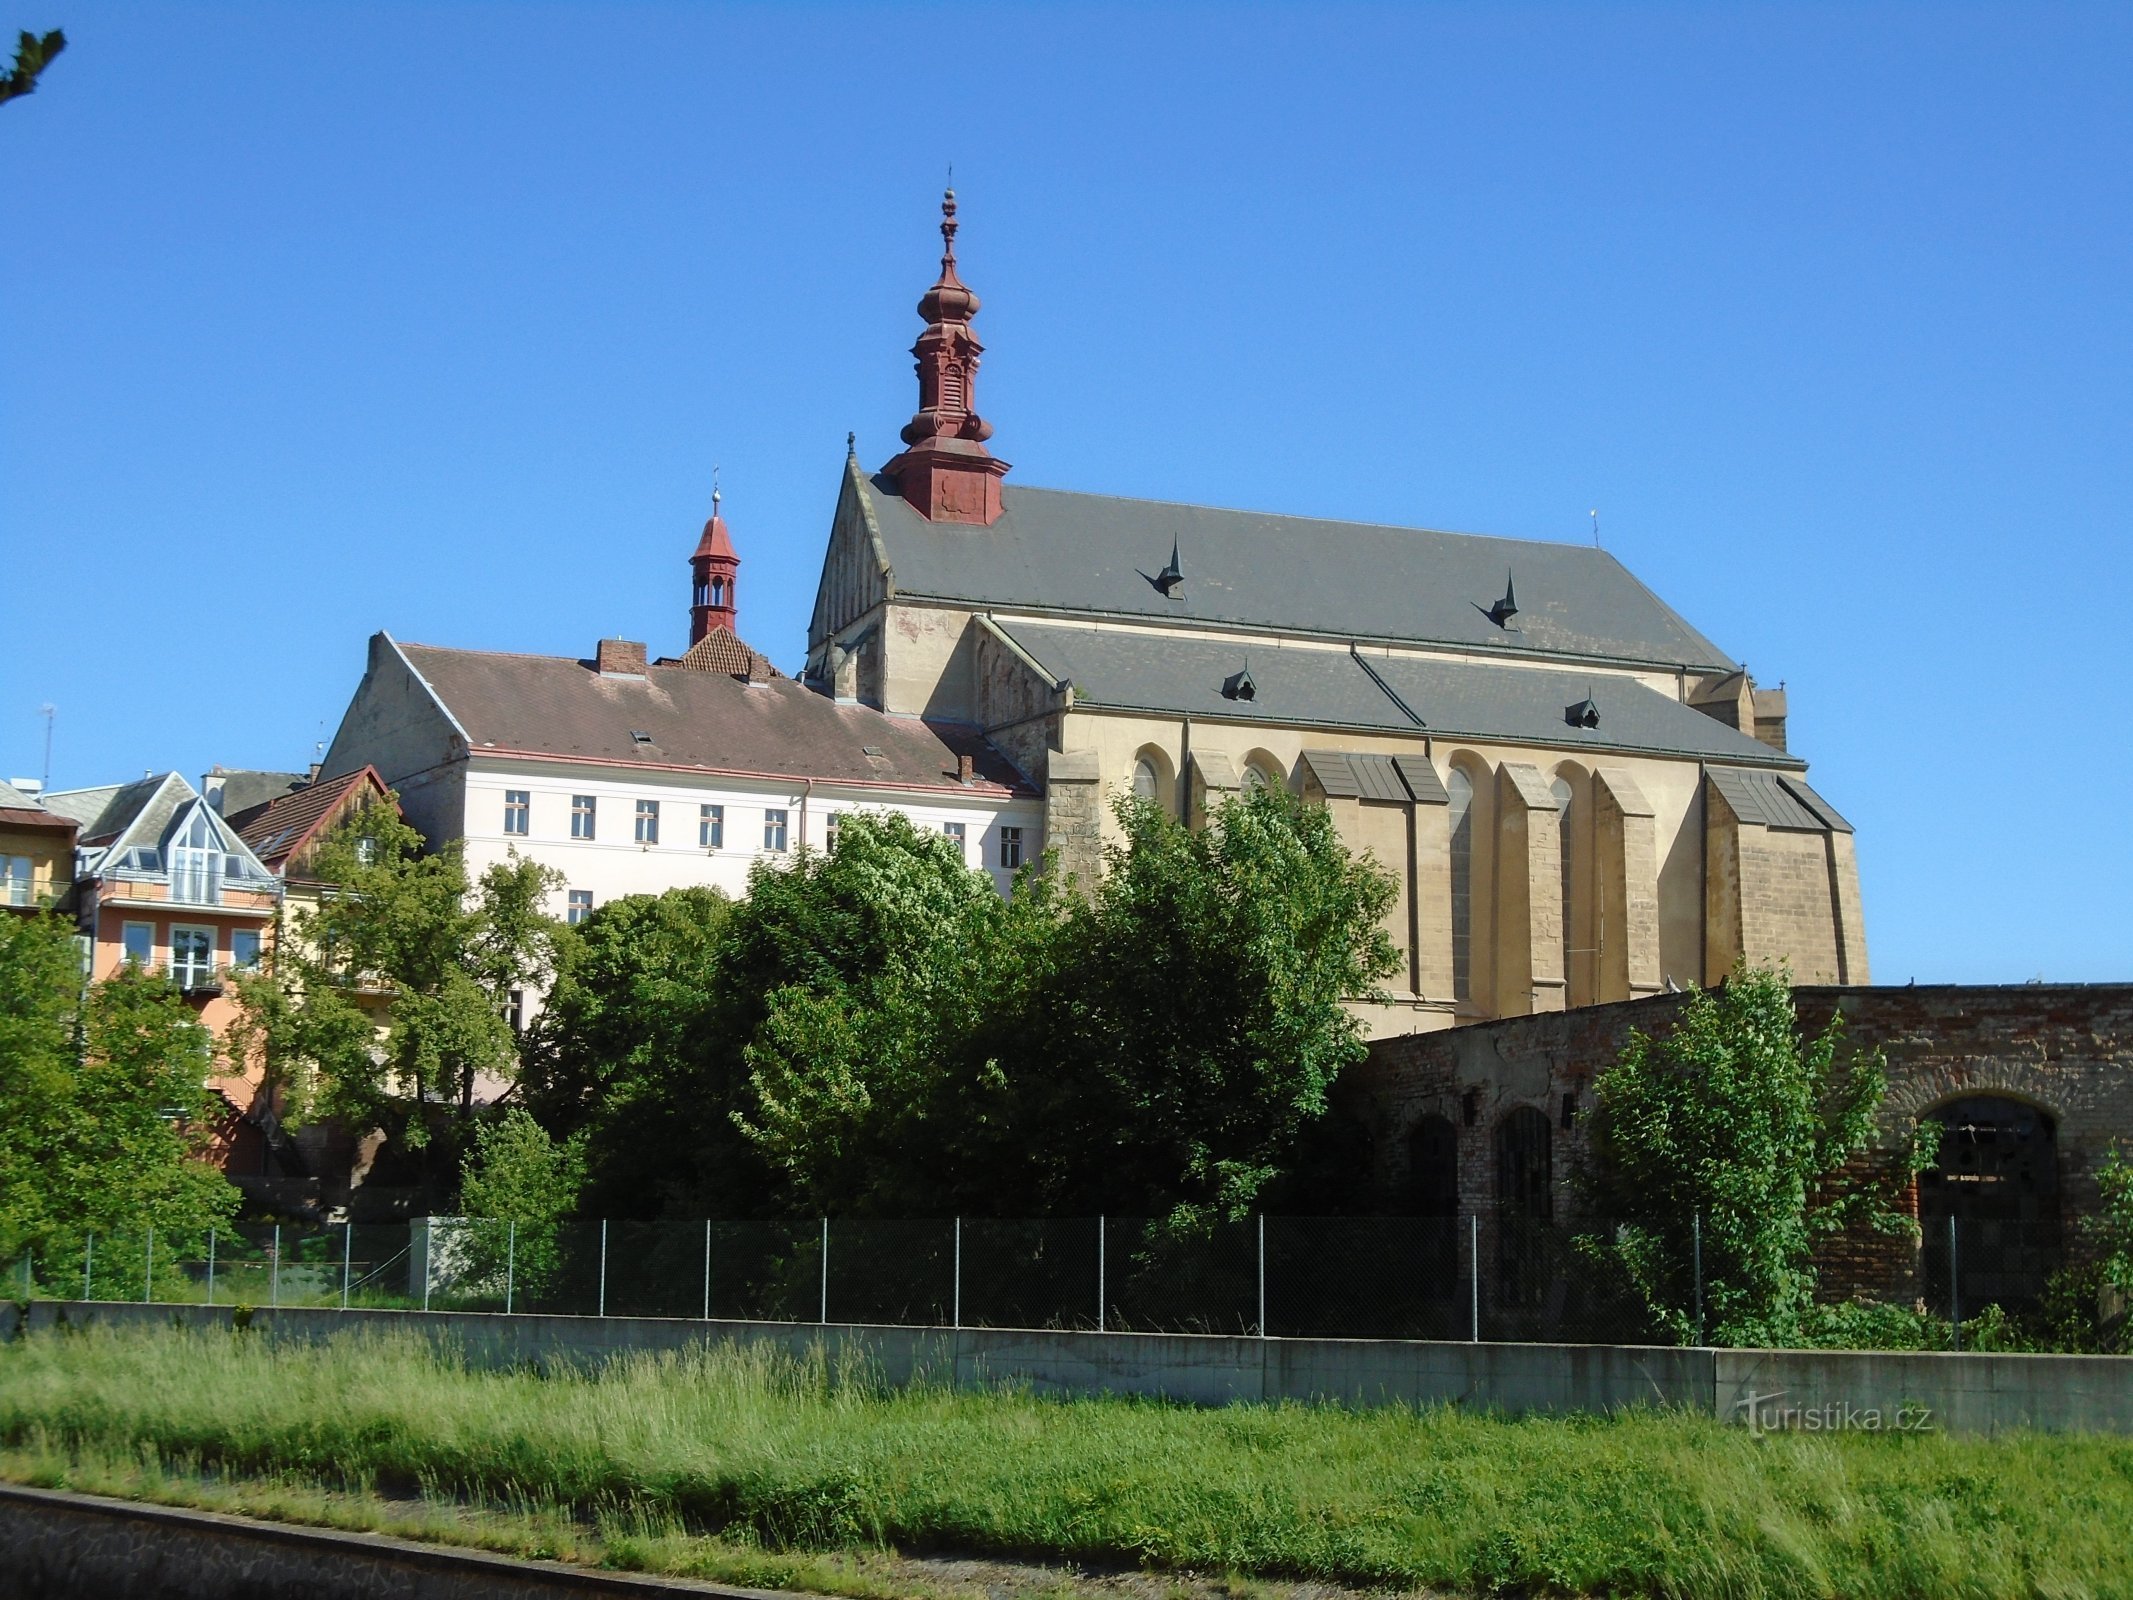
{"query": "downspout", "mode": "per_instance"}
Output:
(804, 794)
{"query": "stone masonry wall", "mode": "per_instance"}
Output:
(2066, 1049)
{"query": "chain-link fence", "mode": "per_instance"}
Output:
(1457, 1277)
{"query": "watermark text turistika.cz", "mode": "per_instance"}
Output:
(1765, 1415)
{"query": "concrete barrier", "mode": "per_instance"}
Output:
(61, 1546)
(1800, 1390)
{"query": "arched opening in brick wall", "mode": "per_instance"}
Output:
(1525, 1207)
(1997, 1179)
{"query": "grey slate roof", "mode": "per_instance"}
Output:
(558, 706)
(1062, 552)
(112, 810)
(1777, 800)
(1180, 673)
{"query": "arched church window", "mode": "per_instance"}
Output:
(1147, 783)
(1566, 835)
(1461, 820)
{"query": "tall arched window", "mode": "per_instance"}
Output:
(1566, 834)
(1461, 821)
(1147, 782)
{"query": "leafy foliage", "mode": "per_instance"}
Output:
(104, 1109)
(389, 995)
(876, 1031)
(517, 1174)
(32, 55)
(1734, 1118)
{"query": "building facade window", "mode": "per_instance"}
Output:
(518, 811)
(584, 816)
(1146, 783)
(140, 938)
(196, 862)
(244, 947)
(1461, 823)
(515, 1011)
(192, 957)
(1010, 847)
(648, 822)
(774, 831)
(711, 827)
(958, 835)
(17, 873)
(830, 829)
(580, 906)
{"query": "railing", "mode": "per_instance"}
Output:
(1466, 1277)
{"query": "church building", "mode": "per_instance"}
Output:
(1580, 797)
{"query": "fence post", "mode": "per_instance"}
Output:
(707, 1269)
(825, 1308)
(1955, 1291)
(1099, 1274)
(957, 1313)
(510, 1263)
(1262, 1274)
(1696, 1235)
(274, 1279)
(29, 1279)
(88, 1265)
(348, 1231)
(148, 1273)
(603, 1266)
(1473, 1270)
(429, 1243)
(211, 1266)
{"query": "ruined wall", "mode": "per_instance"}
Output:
(2066, 1049)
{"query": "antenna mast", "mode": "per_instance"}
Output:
(51, 712)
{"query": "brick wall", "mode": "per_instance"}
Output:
(2066, 1049)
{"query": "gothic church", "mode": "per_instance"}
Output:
(1580, 796)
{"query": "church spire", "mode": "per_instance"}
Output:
(945, 470)
(713, 570)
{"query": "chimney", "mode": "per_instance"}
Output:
(965, 769)
(620, 658)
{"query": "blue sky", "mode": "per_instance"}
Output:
(325, 318)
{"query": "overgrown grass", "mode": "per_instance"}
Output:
(778, 1455)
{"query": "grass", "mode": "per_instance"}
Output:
(772, 1471)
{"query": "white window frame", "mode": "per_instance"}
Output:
(518, 807)
(237, 962)
(777, 830)
(126, 955)
(192, 974)
(18, 880)
(711, 827)
(577, 906)
(1010, 839)
(585, 816)
(960, 833)
(647, 826)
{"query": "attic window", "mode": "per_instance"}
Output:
(1239, 686)
(639, 736)
(1585, 714)
(873, 750)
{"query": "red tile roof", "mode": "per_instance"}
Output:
(280, 829)
(723, 650)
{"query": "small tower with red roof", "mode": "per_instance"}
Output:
(945, 471)
(714, 570)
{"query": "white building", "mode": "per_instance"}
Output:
(633, 778)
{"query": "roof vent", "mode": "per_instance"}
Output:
(1239, 686)
(639, 736)
(1585, 714)
(1502, 611)
(1165, 583)
(874, 751)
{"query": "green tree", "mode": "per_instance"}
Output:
(517, 1175)
(876, 1031)
(105, 1115)
(388, 999)
(1734, 1117)
(32, 56)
